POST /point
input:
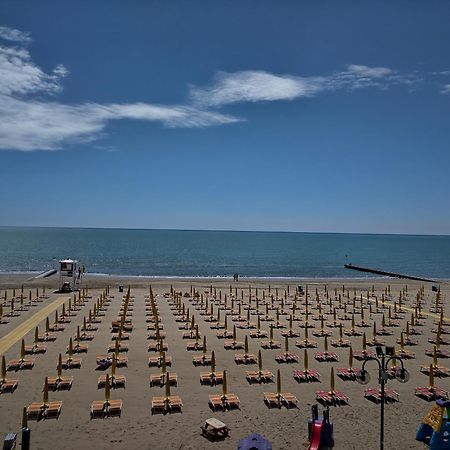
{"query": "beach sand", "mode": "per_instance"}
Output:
(356, 425)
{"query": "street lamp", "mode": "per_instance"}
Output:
(383, 359)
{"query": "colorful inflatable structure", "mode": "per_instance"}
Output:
(435, 428)
(320, 430)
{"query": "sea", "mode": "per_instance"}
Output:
(252, 254)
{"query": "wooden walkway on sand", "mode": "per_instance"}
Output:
(6, 342)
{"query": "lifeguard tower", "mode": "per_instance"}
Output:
(69, 275)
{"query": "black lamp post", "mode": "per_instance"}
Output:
(383, 358)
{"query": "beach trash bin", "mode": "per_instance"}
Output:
(254, 442)
(120, 287)
(10, 441)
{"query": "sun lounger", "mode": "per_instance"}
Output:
(53, 410)
(98, 408)
(155, 346)
(286, 357)
(71, 363)
(272, 400)
(347, 374)
(259, 334)
(228, 402)
(79, 348)
(114, 408)
(361, 356)
(158, 405)
(263, 376)
(438, 371)
(334, 398)
(154, 335)
(374, 395)
(35, 349)
(159, 379)
(121, 348)
(194, 346)
(53, 383)
(270, 344)
(156, 361)
(202, 360)
(306, 376)
(233, 345)
(431, 393)
(14, 364)
(47, 337)
(325, 356)
(289, 400)
(245, 359)
(211, 379)
(8, 385)
(35, 411)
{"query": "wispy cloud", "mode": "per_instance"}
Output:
(445, 89)
(32, 118)
(11, 34)
(257, 86)
(29, 123)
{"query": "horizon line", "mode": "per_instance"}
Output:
(224, 230)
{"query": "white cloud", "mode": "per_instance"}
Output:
(253, 86)
(31, 117)
(33, 125)
(19, 75)
(257, 86)
(11, 34)
(369, 72)
(27, 123)
(445, 89)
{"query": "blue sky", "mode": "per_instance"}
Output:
(244, 115)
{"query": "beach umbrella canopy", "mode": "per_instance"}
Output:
(22, 350)
(3, 368)
(59, 367)
(278, 383)
(45, 397)
(224, 384)
(332, 381)
(107, 389)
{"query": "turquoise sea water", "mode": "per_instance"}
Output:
(222, 253)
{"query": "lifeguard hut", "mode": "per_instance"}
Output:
(69, 275)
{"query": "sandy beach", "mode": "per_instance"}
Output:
(356, 425)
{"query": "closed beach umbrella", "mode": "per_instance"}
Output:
(22, 350)
(278, 384)
(213, 362)
(3, 368)
(260, 363)
(224, 384)
(36, 335)
(332, 382)
(45, 399)
(107, 389)
(246, 345)
(305, 364)
(59, 367)
(70, 350)
(350, 358)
